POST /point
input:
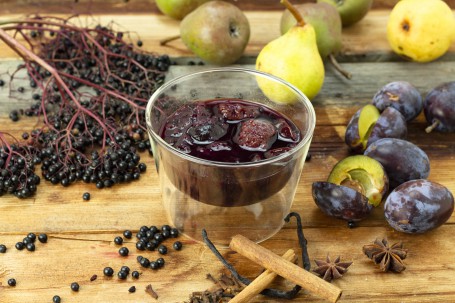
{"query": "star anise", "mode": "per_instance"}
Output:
(388, 257)
(329, 270)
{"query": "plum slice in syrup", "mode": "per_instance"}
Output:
(229, 130)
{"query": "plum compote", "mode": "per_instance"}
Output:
(229, 130)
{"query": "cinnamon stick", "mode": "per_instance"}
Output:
(286, 269)
(261, 282)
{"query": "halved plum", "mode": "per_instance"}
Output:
(363, 174)
(340, 201)
(369, 125)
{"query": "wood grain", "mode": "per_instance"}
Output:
(81, 233)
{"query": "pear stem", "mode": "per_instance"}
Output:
(294, 12)
(430, 128)
(338, 67)
(169, 39)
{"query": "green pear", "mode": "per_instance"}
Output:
(326, 22)
(178, 9)
(293, 57)
(216, 31)
(351, 11)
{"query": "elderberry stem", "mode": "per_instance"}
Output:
(27, 54)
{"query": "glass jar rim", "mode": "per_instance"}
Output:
(304, 99)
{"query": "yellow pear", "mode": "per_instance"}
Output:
(421, 30)
(293, 57)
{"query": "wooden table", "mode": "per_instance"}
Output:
(81, 233)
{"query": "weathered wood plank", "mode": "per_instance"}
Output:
(67, 258)
(139, 6)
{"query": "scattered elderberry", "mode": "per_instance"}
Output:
(135, 274)
(21, 89)
(165, 227)
(125, 269)
(142, 167)
(2, 248)
(154, 265)
(56, 299)
(75, 286)
(122, 275)
(2, 82)
(12, 282)
(118, 240)
(166, 234)
(162, 249)
(86, 196)
(123, 251)
(32, 237)
(158, 237)
(139, 258)
(20, 246)
(174, 232)
(30, 246)
(144, 262)
(177, 245)
(160, 262)
(132, 289)
(42, 238)
(108, 271)
(351, 224)
(140, 245)
(14, 116)
(139, 43)
(128, 234)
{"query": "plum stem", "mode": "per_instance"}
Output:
(338, 67)
(294, 12)
(430, 128)
(169, 39)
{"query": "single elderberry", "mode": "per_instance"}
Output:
(30, 246)
(135, 274)
(2, 248)
(122, 275)
(108, 271)
(20, 246)
(56, 299)
(177, 245)
(86, 196)
(118, 240)
(132, 289)
(75, 286)
(162, 249)
(125, 269)
(144, 262)
(32, 237)
(128, 234)
(174, 232)
(140, 245)
(12, 282)
(160, 262)
(123, 251)
(42, 238)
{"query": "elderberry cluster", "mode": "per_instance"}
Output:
(92, 102)
(17, 172)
